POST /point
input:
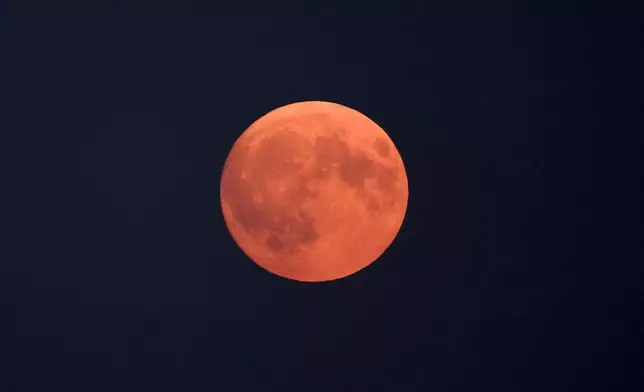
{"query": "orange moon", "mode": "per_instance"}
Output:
(314, 191)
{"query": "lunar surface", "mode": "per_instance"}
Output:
(314, 191)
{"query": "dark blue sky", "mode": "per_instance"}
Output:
(509, 273)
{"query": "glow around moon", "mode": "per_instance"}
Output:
(314, 191)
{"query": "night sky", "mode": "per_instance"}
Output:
(513, 268)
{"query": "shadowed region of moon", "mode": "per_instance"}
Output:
(256, 205)
(314, 191)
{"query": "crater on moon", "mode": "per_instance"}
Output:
(288, 183)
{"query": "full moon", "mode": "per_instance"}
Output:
(314, 191)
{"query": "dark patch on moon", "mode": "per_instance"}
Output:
(274, 243)
(273, 159)
(301, 228)
(275, 155)
(381, 146)
(302, 192)
(373, 204)
(356, 170)
(330, 151)
(354, 167)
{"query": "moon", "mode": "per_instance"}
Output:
(314, 191)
